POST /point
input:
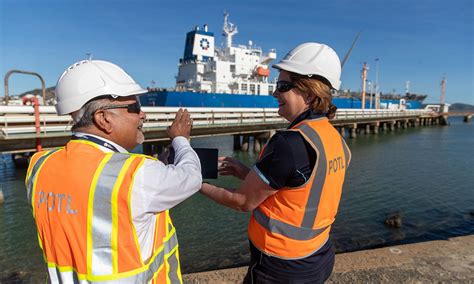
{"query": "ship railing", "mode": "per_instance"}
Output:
(18, 120)
(252, 47)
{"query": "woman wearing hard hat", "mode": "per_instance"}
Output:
(295, 186)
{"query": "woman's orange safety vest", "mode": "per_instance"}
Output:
(295, 222)
(80, 197)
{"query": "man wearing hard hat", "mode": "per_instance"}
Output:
(102, 212)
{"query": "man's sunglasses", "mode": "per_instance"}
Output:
(131, 108)
(284, 86)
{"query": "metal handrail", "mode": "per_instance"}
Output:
(9, 73)
(19, 120)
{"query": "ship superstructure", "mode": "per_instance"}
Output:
(232, 69)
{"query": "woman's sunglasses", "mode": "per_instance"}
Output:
(284, 86)
(131, 108)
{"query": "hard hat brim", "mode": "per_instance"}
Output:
(290, 67)
(71, 105)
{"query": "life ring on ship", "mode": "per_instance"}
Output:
(261, 71)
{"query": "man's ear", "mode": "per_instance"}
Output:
(103, 121)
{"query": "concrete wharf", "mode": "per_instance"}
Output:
(440, 261)
(467, 115)
(18, 132)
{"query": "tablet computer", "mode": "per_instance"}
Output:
(208, 158)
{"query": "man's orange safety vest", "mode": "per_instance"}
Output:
(80, 197)
(295, 222)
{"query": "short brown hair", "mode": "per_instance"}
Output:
(318, 90)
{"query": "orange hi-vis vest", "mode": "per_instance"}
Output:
(295, 222)
(80, 198)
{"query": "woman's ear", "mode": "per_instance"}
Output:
(103, 121)
(306, 98)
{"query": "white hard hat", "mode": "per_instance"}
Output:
(313, 59)
(89, 79)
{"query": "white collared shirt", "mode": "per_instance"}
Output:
(158, 187)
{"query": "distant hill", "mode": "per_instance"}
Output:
(461, 107)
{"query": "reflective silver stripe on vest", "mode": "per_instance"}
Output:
(173, 270)
(59, 277)
(147, 275)
(34, 172)
(318, 181)
(287, 230)
(142, 277)
(102, 216)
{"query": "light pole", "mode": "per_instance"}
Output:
(369, 83)
(376, 83)
(365, 68)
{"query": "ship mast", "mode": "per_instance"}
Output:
(228, 30)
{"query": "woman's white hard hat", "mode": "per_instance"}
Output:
(313, 58)
(88, 79)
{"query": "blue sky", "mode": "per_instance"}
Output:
(419, 41)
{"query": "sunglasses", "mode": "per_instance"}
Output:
(284, 86)
(131, 108)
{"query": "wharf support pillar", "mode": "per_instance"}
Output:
(404, 124)
(155, 149)
(354, 131)
(245, 143)
(342, 131)
(258, 139)
(367, 129)
(375, 128)
(392, 126)
(237, 145)
(443, 120)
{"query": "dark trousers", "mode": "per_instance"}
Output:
(267, 269)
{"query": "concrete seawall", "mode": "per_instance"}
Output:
(449, 260)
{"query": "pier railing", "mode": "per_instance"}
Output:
(20, 120)
(20, 132)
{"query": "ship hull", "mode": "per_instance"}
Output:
(191, 99)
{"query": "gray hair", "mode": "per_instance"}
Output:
(85, 116)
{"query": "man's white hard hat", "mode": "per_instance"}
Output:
(313, 58)
(88, 79)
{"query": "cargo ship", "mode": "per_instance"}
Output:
(235, 75)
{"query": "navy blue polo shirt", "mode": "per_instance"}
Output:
(288, 159)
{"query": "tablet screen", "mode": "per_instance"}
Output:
(208, 158)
